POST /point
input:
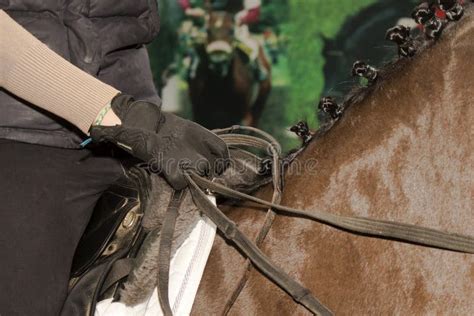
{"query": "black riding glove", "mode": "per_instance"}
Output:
(165, 141)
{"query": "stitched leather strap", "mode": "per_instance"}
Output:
(359, 225)
(271, 145)
(164, 254)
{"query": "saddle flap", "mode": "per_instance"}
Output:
(117, 207)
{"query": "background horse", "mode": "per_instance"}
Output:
(403, 152)
(224, 90)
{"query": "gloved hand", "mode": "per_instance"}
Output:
(165, 141)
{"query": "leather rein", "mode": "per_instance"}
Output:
(255, 257)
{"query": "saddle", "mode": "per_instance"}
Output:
(112, 236)
(121, 226)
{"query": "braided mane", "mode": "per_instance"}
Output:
(358, 93)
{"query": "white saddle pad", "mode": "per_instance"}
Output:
(187, 267)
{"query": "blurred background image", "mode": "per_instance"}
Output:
(266, 63)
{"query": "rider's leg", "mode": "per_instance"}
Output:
(46, 199)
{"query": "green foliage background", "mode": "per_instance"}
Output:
(310, 21)
(298, 78)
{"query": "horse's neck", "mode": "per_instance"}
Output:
(404, 153)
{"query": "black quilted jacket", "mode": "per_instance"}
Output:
(103, 37)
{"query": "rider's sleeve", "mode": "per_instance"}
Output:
(33, 72)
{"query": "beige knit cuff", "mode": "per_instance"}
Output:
(40, 76)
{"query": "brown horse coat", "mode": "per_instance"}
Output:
(403, 153)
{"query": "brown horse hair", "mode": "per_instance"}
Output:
(357, 96)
